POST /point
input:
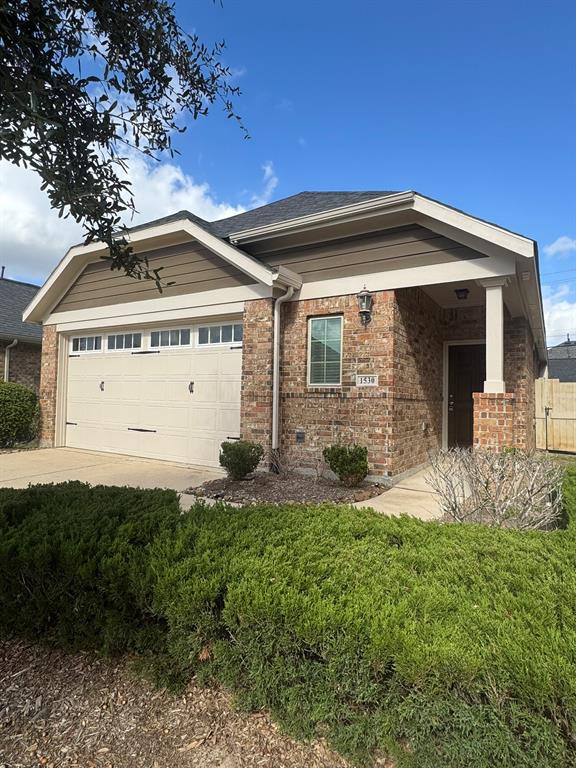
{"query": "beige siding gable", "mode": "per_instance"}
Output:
(185, 268)
(399, 248)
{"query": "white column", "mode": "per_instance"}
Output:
(494, 334)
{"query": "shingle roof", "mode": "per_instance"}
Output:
(561, 351)
(292, 207)
(14, 298)
(565, 369)
(302, 204)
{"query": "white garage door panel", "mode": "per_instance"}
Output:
(151, 392)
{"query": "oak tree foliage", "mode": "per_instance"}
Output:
(84, 83)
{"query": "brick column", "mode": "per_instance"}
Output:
(494, 420)
(48, 379)
(256, 403)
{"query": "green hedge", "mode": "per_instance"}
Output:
(448, 646)
(18, 414)
(74, 565)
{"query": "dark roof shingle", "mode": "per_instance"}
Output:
(14, 298)
(565, 369)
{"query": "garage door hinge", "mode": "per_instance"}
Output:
(71, 423)
(140, 429)
(147, 352)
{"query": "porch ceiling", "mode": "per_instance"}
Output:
(444, 295)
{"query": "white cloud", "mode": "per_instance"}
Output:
(559, 313)
(561, 246)
(33, 239)
(270, 184)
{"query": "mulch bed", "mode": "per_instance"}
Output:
(77, 711)
(270, 488)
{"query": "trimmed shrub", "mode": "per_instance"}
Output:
(18, 414)
(348, 462)
(444, 646)
(240, 458)
(74, 567)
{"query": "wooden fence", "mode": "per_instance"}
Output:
(556, 415)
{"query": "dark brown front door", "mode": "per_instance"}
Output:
(466, 374)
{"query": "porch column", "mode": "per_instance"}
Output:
(494, 334)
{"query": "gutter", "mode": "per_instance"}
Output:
(276, 366)
(7, 358)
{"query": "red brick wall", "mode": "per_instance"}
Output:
(24, 364)
(48, 379)
(256, 404)
(418, 379)
(400, 420)
(338, 414)
(494, 420)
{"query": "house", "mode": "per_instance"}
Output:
(382, 318)
(562, 361)
(20, 342)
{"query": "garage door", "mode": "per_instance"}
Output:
(170, 394)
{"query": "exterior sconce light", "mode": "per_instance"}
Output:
(461, 293)
(365, 302)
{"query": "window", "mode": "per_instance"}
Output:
(125, 341)
(325, 351)
(87, 344)
(220, 334)
(179, 337)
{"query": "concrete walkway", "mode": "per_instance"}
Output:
(412, 496)
(56, 465)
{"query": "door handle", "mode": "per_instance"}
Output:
(101, 386)
(191, 387)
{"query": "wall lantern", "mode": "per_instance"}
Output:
(365, 302)
(461, 293)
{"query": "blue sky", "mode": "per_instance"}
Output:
(472, 103)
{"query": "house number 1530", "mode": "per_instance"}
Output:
(366, 381)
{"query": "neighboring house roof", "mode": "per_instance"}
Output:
(563, 369)
(14, 298)
(562, 351)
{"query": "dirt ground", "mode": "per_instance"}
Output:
(267, 487)
(78, 711)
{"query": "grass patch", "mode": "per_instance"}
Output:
(447, 646)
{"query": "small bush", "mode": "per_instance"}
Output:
(348, 462)
(510, 489)
(18, 414)
(240, 458)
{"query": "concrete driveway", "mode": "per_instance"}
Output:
(56, 465)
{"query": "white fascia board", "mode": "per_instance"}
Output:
(399, 201)
(433, 274)
(503, 238)
(79, 256)
(154, 319)
(188, 302)
(420, 205)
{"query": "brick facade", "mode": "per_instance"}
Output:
(256, 402)
(494, 420)
(48, 381)
(400, 420)
(24, 364)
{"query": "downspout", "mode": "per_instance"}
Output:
(7, 358)
(276, 366)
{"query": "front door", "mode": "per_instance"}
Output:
(466, 374)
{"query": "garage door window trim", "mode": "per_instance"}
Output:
(86, 345)
(167, 338)
(220, 335)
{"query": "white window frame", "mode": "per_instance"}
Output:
(73, 351)
(125, 349)
(218, 344)
(150, 331)
(309, 351)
